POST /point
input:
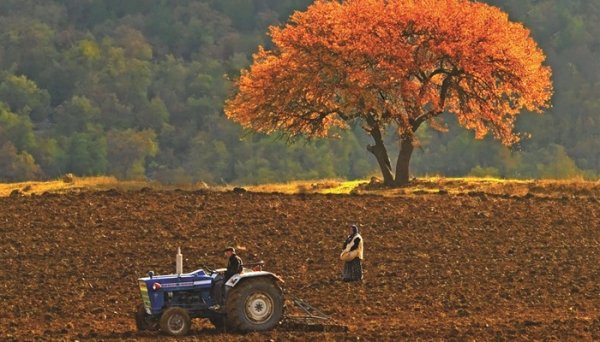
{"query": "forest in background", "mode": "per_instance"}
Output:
(136, 88)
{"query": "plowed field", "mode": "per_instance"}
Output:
(438, 267)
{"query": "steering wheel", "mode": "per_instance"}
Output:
(210, 270)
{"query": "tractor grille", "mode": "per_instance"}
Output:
(145, 297)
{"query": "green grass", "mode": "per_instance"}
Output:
(435, 185)
(85, 183)
(428, 185)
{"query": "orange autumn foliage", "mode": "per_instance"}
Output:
(393, 62)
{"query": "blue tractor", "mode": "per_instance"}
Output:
(249, 301)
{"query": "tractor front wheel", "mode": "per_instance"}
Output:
(143, 321)
(175, 322)
(256, 304)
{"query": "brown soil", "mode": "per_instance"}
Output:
(438, 267)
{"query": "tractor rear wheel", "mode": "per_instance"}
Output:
(175, 321)
(143, 321)
(256, 304)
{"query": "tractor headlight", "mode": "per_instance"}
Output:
(156, 286)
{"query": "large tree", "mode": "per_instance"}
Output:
(400, 63)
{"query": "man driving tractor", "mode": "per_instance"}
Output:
(234, 266)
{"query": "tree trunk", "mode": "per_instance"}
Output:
(406, 150)
(380, 153)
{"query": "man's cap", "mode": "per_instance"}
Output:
(229, 249)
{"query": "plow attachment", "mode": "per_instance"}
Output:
(310, 319)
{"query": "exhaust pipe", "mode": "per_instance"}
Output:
(179, 262)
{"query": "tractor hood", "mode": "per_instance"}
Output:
(181, 281)
(194, 274)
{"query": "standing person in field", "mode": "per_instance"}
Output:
(352, 254)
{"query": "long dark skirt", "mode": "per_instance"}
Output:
(352, 270)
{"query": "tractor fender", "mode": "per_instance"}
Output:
(238, 278)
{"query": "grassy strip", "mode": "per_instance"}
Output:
(429, 185)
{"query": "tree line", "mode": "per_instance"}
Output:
(136, 89)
